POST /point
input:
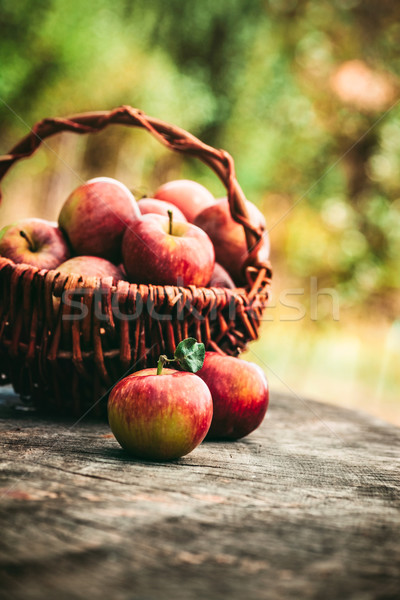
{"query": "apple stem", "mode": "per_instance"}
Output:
(28, 239)
(170, 215)
(162, 361)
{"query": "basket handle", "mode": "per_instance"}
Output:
(173, 137)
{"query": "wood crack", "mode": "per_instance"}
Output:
(90, 475)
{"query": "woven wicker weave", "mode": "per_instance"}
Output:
(68, 364)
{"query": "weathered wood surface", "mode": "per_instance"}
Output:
(305, 507)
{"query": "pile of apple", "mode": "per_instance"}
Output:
(182, 235)
(162, 414)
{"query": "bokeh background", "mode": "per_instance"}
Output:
(304, 95)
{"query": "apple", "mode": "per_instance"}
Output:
(95, 216)
(122, 270)
(229, 238)
(160, 416)
(240, 394)
(91, 266)
(160, 207)
(189, 196)
(221, 278)
(35, 242)
(87, 266)
(164, 252)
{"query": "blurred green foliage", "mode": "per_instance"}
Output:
(301, 92)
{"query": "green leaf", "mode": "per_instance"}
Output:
(190, 355)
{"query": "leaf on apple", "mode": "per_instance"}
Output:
(190, 355)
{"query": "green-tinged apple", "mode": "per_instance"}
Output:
(95, 216)
(160, 207)
(36, 242)
(240, 394)
(162, 414)
(91, 266)
(164, 252)
(221, 278)
(189, 196)
(229, 238)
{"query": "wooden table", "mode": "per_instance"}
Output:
(305, 507)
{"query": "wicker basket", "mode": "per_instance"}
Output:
(68, 364)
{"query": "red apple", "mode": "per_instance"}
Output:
(122, 270)
(240, 394)
(35, 242)
(87, 266)
(91, 266)
(160, 417)
(229, 238)
(221, 278)
(189, 196)
(95, 217)
(154, 206)
(151, 254)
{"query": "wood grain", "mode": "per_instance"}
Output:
(305, 507)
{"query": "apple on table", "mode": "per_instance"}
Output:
(160, 417)
(162, 414)
(240, 394)
(35, 242)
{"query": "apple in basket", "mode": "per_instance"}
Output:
(154, 206)
(189, 196)
(240, 394)
(228, 236)
(161, 251)
(87, 266)
(91, 266)
(35, 242)
(95, 216)
(221, 278)
(162, 414)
